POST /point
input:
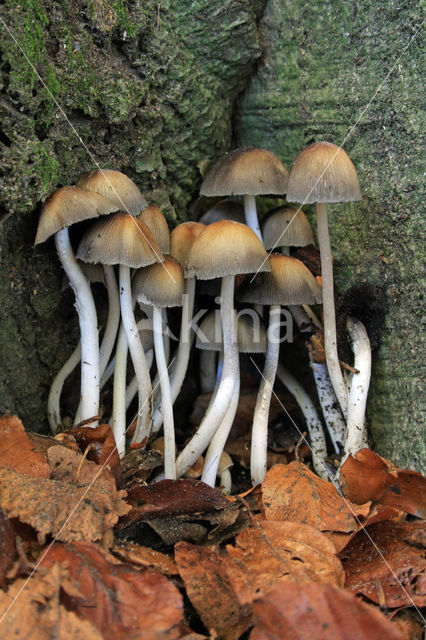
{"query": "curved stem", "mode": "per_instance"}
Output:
(86, 310)
(113, 320)
(230, 372)
(330, 338)
(138, 358)
(259, 438)
(132, 387)
(53, 401)
(219, 439)
(316, 433)
(356, 434)
(329, 405)
(119, 393)
(250, 213)
(166, 397)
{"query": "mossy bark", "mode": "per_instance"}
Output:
(350, 73)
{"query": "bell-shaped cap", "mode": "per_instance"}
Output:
(288, 283)
(117, 187)
(246, 172)
(182, 238)
(286, 227)
(119, 239)
(157, 224)
(160, 285)
(224, 210)
(323, 172)
(69, 205)
(226, 248)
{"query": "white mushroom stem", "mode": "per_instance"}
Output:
(86, 310)
(54, 398)
(230, 372)
(259, 437)
(250, 212)
(330, 407)
(217, 444)
(226, 481)
(166, 396)
(132, 387)
(330, 338)
(313, 423)
(119, 393)
(356, 433)
(184, 349)
(138, 358)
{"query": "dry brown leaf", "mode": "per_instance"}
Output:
(31, 610)
(274, 552)
(68, 511)
(367, 476)
(388, 558)
(103, 450)
(10, 423)
(293, 492)
(19, 451)
(70, 466)
(318, 611)
(122, 602)
(209, 589)
(8, 553)
(146, 557)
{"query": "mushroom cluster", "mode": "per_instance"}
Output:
(146, 270)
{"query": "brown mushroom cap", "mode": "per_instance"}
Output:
(288, 283)
(117, 187)
(286, 227)
(323, 172)
(246, 172)
(119, 239)
(160, 284)
(157, 224)
(226, 248)
(69, 205)
(224, 210)
(182, 238)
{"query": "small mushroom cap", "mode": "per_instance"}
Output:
(182, 238)
(119, 239)
(250, 330)
(226, 248)
(146, 334)
(69, 205)
(246, 172)
(161, 284)
(323, 172)
(156, 223)
(117, 187)
(286, 227)
(288, 283)
(224, 210)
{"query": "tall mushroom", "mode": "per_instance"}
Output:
(63, 208)
(248, 173)
(323, 173)
(224, 249)
(117, 187)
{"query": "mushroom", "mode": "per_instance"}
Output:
(162, 285)
(286, 227)
(117, 187)
(156, 223)
(124, 240)
(63, 208)
(248, 173)
(228, 209)
(323, 173)
(288, 283)
(223, 249)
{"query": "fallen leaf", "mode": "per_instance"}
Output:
(31, 609)
(388, 557)
(70, 466)
(8, 553)
(368, 476)
(293, 492)
(320, 611)
(102, 445)
(67, 511)
(19, 451)
(146, 557)
(209, 589)
(122, 602)
(274, 552)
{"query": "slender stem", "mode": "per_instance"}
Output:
(330, 407)
(259, 438)
(250, 213)
(316, 433)
(166, 397)
(356, 435)
(88, 329)
(330, 338)
(218, 441)
(119, 393)
(113, 320)
(138, 358)
(132, 387)
(53, 401)
(230, 372)
(109, 370)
